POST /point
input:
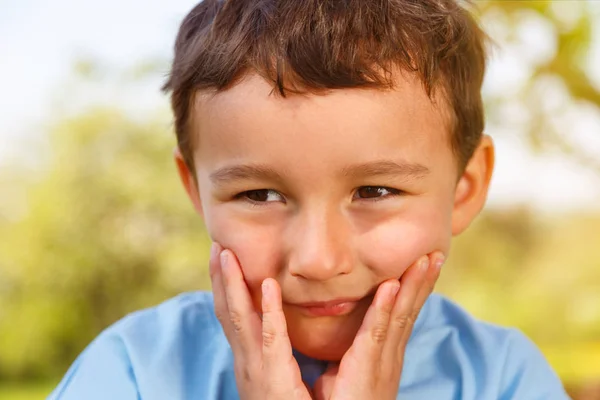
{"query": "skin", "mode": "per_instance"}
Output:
(346, 191)
(264, 365)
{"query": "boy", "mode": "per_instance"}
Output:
(333, 148)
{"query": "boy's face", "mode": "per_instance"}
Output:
(328, 194)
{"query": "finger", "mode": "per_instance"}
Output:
(244, 321)
(403, 314)
(436, 261)
(433, 273)
(218, 288)
(365, 352)
(276, 345)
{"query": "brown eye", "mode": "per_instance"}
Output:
(263, 195)
(373, 192)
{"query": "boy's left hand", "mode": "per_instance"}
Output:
(372, 366)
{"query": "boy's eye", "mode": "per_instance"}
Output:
(262, 195)
(374, 192)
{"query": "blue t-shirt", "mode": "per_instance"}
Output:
(177, 351)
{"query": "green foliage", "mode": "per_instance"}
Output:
(558, 85)
(106, 230)
(103, 228)
(539, 274)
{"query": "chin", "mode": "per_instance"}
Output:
(324, 338)
(333, 353)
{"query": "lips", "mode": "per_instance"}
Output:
(330, 308)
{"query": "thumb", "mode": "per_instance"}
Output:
(325, 383)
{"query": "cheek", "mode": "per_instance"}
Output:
(255, 245)
(396, 243)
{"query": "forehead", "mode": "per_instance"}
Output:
(250, 118)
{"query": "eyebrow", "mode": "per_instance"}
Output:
(244, 172)
(387, 167)
(264, 172)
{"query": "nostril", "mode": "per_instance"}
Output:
(319, 247)
(319, 268)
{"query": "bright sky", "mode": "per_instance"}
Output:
(40, 39)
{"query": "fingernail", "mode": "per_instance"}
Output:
(266, 288)
(224, 258)
(388, 290)
(439, 262)
(423, 263)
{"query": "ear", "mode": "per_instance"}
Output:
(472, 188)
(188, 180)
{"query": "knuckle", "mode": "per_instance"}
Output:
(221, 316)
(402, 321)
(379, 333)
(269, 338)
(236, 321)
(270, 333)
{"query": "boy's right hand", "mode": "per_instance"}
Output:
(265, 368)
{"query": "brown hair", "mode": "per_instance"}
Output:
(316, 45)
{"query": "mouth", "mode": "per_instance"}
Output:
(332, 308)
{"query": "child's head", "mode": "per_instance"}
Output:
(330, 143)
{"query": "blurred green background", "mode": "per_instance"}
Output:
(94, 224)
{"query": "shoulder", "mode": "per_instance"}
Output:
(152, 352)
(478, 359)
(442, 315)
(155, 335)
(185, 316)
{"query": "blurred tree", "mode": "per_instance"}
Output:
(553, 41)
(107, 230)
(541, 275)
(103, 228)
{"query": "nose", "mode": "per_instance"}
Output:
(319, 247)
